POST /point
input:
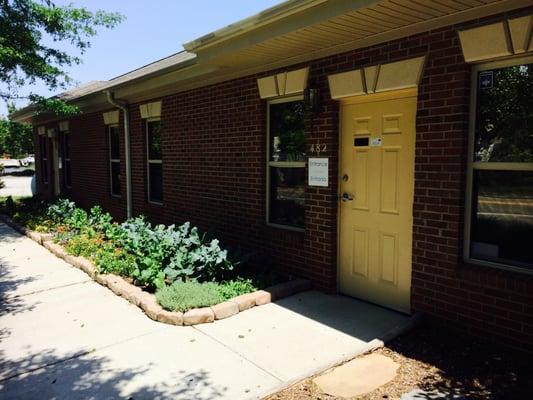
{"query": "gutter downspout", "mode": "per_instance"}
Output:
(123, 105)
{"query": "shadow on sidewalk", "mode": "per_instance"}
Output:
(90, 376)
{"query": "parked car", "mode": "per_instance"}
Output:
(24, 162)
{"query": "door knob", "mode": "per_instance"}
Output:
(346, 197)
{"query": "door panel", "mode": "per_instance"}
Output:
(360, 252)
(378, 173)
(361, 181)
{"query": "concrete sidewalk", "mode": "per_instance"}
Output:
(63, 336)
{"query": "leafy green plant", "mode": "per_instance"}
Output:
(152, 255)
(166, 254)
(83, 245)
(61, 210)
(110, 259)
(78, 219)
(236, 287)
(98, 220)
(183, 296)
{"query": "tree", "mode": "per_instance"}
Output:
(26, 26)
(15, 139)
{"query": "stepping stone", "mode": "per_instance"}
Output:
(357, 377)
(419, 394)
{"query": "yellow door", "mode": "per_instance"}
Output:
(376, 211)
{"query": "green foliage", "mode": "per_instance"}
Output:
(10, 206)
(16, 139)
(171, 253)
(234, 288)
(26, 29)
(29, 212)
(61, 210)
(99, 220)
(114, 260)
(152, 256)
(53, 105)
(183, 296)
(84, 245)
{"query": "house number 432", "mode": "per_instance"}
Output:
(318, 148)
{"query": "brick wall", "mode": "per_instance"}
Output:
(214, 170)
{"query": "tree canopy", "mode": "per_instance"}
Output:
(15, 139)
(30, 31)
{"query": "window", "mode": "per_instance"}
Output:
(154, 161)
(43, 147)
(114, 159)
(286, 163)
(67, 176)
(499, 226)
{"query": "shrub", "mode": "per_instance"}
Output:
(183, 296)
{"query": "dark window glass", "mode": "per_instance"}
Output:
(287, 164)
(502, 194)
(504, 115)
(114, 143)
(44, 158)
(154, 140)
(68, 174)
(502, 217)
(66, 147)
(115, 178)
(287, 131)
(155, 172)
(287, 196)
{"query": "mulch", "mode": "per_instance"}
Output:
(432, 359)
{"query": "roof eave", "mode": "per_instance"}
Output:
(248, 24)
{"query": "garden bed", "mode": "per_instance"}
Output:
(197, 290)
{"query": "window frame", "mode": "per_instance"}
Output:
(113, 160)
(279, 164)
(480, 165)
(152, 161)
(66, 161)
(43, 150)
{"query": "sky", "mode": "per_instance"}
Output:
(153, 29)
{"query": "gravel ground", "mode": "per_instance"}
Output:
(434, 360)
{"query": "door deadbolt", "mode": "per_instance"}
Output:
(346, 197)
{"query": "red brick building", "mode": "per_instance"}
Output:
(383, 150)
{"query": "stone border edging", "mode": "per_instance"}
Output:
(147, 301)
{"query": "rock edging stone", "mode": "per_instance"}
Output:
(147, 301)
